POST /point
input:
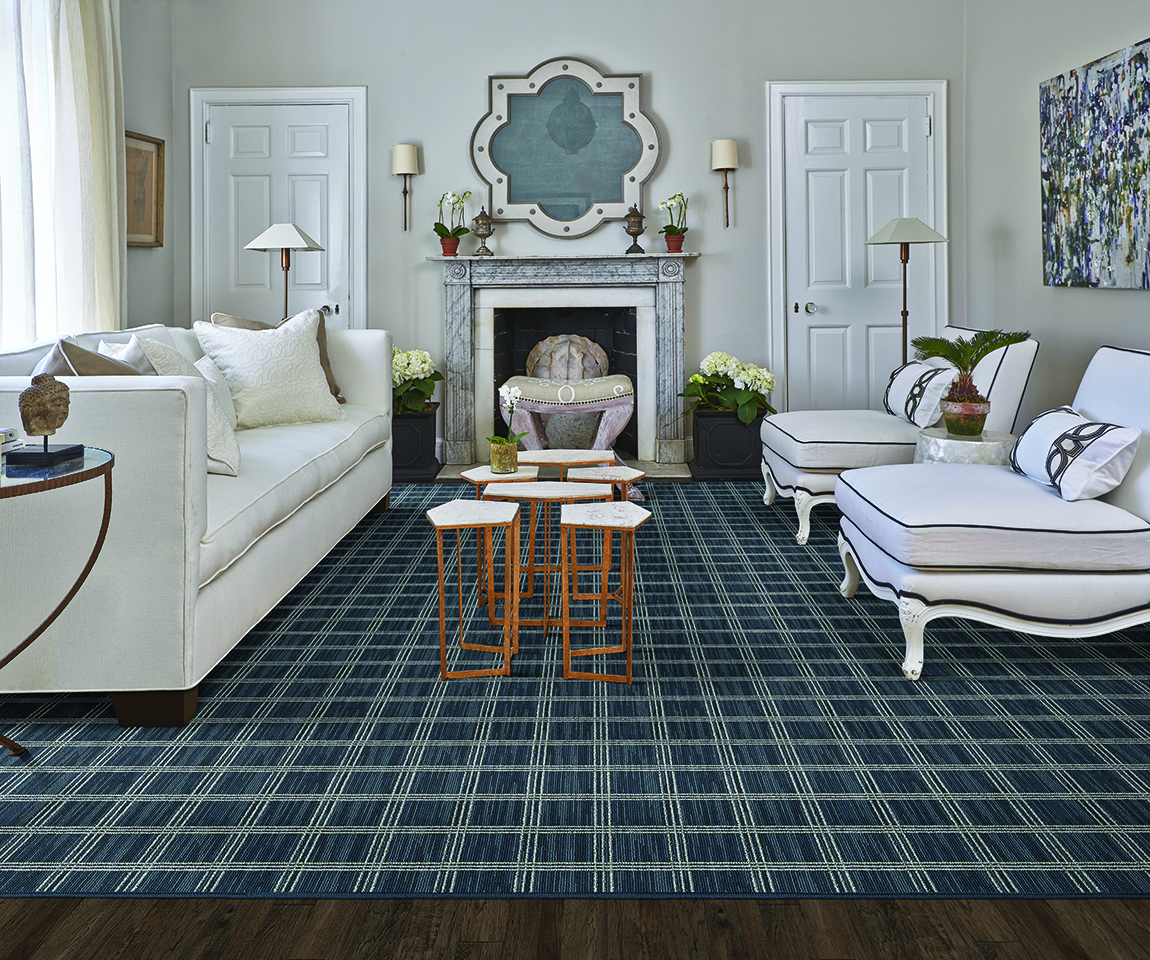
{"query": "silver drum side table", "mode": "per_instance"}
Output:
(935, 445)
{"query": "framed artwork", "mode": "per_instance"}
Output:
(1095, 137)
(565, 147)
(144, 190)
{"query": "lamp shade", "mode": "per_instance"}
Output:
(404, 159)
(724, 155)
(907, 230)
(281, 235)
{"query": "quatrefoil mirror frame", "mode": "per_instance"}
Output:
(562, 174)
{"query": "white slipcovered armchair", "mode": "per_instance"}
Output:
(804, 451)
(990, 544)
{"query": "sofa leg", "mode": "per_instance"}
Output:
(156, 708)
(383, 506)
(912, 614)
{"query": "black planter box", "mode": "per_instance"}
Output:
(725, 447)
(413, 446)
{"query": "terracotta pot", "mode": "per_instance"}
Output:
(450, 246)
(674, 242)
(964, 419)
(504, 458)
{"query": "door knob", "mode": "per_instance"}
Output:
(811, 308)
(326, 310)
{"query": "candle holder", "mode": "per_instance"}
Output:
(484, 228)
(634, 229)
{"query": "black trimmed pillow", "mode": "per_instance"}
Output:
(1080, 458)
(914, 392)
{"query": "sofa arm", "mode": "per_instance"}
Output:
(361, 362)
(131, 624)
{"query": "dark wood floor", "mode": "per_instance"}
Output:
(106, 929)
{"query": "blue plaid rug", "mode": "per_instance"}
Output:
(769, 747)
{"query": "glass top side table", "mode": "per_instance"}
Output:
(24, 480)
(935, 445)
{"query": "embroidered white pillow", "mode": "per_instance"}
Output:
(1080, 458)
(914, 392)
(223, 448)
(219, 386)
(274, 375)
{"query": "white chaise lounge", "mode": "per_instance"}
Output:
(987, 543)
(804, 451)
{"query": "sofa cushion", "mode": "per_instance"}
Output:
(226, 320)
(958, 516)
(1080, 458)
(130, 353)
(284, 466)
(859, 438)
(275, 375)
(223, 449)
(915, 389)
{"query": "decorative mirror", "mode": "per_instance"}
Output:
(565, 147)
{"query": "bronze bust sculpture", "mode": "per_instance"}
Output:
(44, 406)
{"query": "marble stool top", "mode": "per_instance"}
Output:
(617, 515)
(563, 457)
(548, 490)
(472, 513)
(617, 473)
(478, 475)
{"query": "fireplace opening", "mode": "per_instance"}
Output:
(518, 329)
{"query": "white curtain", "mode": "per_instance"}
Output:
(62, 176)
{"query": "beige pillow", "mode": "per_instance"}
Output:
(67, 359)
(240, 323)
(274, 375)
(223, 448)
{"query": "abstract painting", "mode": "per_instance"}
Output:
(1095, 134)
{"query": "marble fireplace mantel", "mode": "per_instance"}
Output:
(475, 287)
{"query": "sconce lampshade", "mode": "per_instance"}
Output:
(724, 155)
(404, 160)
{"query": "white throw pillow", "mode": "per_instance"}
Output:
(219, 386)
(274, 375)
(130, 353)
(223, 448)
(1080, 458)
(914, 391)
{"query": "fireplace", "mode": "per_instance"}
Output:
(649, 286)
(517, 331)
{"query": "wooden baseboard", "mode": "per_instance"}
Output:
(156, 708)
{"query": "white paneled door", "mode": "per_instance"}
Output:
(263, 162)
(851, 163)
(274, 164)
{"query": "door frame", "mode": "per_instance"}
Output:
(355, 98)
(935, 92)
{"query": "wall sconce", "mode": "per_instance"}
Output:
(725, 156)
(405, 163)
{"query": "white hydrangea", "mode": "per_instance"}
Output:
(745, 376)
(718, 364)
(410, 365)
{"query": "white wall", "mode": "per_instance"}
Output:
(1012, 48)
(426, 65)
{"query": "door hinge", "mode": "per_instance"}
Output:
(207, 131)
(929, 126)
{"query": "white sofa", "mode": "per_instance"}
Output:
(192, 560)
(986, 543)
(804, 451)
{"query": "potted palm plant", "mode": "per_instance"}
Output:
(964, 409)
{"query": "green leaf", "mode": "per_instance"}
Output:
(748, 412)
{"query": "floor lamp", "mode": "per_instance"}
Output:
(904, 231)
(284, 237)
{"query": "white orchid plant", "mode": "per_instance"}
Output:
(508, 398)
(724, 383)
(676, 208)
(451, 225)
(413, 379)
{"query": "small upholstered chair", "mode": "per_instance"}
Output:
(568, 374)
(804, 451)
